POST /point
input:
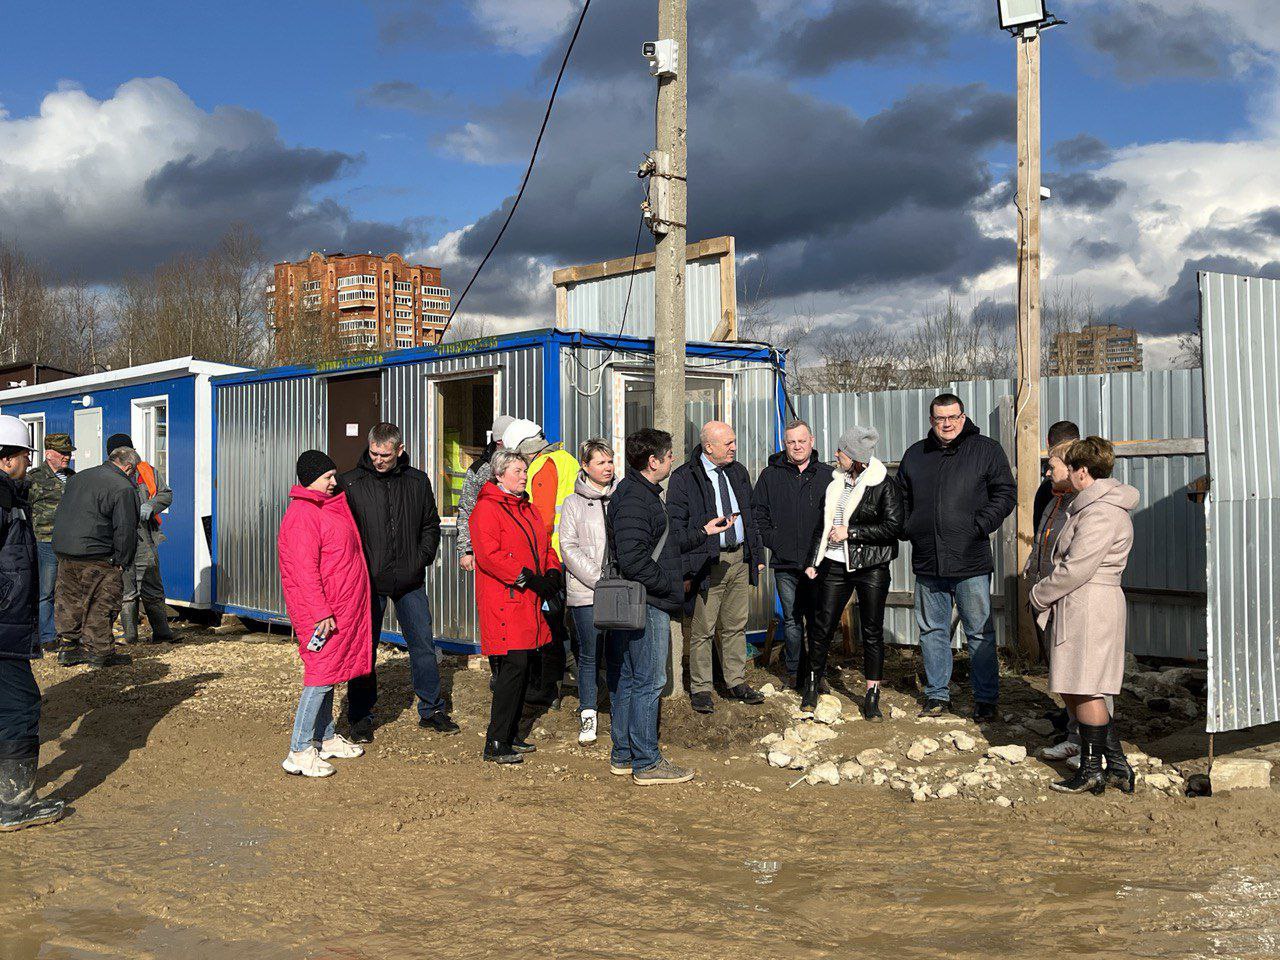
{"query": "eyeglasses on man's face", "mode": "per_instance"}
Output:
(950, 418)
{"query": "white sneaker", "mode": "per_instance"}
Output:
(587, 727)
(340, 747)
(1062, 751)
(307, 763)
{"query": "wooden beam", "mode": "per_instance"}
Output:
(713, 247)
(728, 295)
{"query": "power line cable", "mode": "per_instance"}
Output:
(528, 171)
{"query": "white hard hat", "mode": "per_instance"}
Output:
(14, 433)
(524, 437)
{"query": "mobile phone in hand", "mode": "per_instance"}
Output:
(317, 642)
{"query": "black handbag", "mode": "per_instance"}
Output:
(618, 603)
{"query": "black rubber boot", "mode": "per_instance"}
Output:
(871, 704)
(158, 614)
(1119, 772)
(18, 804)
(129, 621)
(1093, 741)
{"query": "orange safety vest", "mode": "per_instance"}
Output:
(147, 477)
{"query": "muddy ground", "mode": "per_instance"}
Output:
(187, 840)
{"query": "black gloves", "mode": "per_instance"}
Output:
(545, 585)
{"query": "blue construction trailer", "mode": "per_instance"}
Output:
(576, 385)
(167, 409)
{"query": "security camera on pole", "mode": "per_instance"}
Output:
(1025, 19)
(665, 211)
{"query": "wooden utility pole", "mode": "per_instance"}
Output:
(1027, 409)
(669, 175)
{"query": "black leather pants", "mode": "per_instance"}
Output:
(832, 590)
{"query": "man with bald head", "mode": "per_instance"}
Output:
(723, 571)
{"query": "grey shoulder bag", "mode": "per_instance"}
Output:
(619, 604)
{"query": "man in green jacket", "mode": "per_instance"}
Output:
(48, 481)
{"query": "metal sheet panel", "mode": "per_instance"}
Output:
(261, 429)
(597, 306)
(1170, 548)
(1240, 327)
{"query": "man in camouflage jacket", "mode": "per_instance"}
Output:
(47, 482)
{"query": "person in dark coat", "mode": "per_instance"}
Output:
(714, 485)
(19, 641)
(1061, 432)
(958, 490)
(650, 548)
(395, 511)
(856, 541)
(95, 535)
(787, 505)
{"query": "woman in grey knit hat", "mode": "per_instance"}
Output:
(862, 522)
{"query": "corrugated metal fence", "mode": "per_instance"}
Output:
(1240, 327)
(1165, 580)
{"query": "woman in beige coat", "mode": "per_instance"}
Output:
(1082, 607)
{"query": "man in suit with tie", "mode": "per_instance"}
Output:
(722, 572)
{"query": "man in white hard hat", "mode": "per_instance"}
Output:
(19, 641)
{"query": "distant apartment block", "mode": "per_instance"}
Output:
(1104, 348)
(370, 302)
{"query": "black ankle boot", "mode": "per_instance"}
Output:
(1119, 773)
(871, 704)
(497, 752)
(1093, 741)
(809, 698)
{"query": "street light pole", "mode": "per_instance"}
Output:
(1027, 418)
(668, 182)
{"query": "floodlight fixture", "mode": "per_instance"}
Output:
(1017, 15)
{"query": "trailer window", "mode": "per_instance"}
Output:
(704, 400)
(151, 433)
(463, 415)
(35, 427)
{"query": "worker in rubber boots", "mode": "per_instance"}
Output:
(552, 474)
(19, 641)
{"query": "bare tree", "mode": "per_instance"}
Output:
(466, 328)
(758, 321)
(1190, 350)
(1064, 311)
(26, 321)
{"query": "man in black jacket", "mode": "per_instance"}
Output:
(649, 548)
(787, 505)
(95, 536)
(958, 490)
(1060, 432)
(395, 512)
(713, 485)
(19, 641)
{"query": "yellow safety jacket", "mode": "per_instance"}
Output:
(551, 478)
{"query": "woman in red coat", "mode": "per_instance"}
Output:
(516, 570)
(326, 591)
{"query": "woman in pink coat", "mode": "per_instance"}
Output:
(326, 591)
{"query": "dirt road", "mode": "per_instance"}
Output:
(187, 840)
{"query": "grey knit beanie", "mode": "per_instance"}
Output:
(859, 443)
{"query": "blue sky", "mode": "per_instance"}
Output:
(325, 75)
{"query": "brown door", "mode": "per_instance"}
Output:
(355, 405)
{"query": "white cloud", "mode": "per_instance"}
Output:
(523, 26)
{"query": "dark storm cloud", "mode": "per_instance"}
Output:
(1083, 150)
(858, 30)
(1097, 250)
(1256, 234)
(1081, 189)
(271, 170)
(1179, 308)
(1144, 42)
(402, 95)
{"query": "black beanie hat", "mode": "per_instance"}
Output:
(312, 465)
(118, 440)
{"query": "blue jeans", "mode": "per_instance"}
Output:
(48, 580)
(313, 723)
(935, 597)
(787, 582)
(413, 610)
(590, 641)
(637, 670)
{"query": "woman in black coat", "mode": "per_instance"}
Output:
(858, 538)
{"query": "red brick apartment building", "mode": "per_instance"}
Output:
(375, 303)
